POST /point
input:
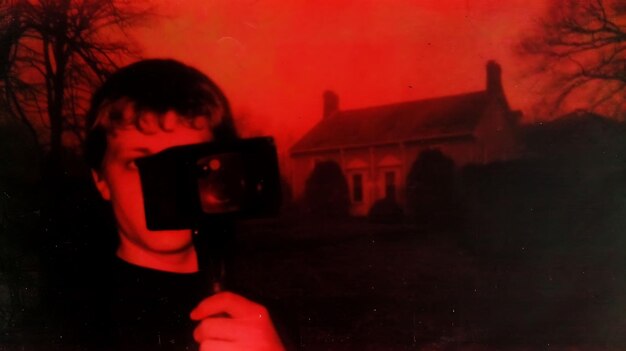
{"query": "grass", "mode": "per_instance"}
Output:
(355, 285)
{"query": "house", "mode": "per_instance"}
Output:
(376, 146)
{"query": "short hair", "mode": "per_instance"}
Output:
(158, 86)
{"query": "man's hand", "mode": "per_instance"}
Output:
(229, 322)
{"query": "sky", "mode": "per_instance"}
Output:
(275, 58)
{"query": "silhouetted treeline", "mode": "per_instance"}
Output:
(20, 209)
(326, 191)
(433, 195)
(52, 226)
(568, 189)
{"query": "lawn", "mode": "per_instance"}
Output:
(355, 285)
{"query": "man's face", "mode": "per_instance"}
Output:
(119, 180)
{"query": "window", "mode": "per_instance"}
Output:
(390, 185)
(357, 188)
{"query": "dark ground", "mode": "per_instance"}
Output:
(361, 286)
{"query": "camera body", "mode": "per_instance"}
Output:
(186, 185)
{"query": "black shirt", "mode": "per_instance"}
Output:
(120, 306)
(151, 308)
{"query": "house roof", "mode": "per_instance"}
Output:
(406, 121)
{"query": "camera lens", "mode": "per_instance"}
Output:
(221, 183)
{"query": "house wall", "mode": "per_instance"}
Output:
(497, 133)
(357, 162)
(373, 163)
(390, 158)
(370, 163)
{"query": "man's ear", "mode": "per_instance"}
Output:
(101, 184)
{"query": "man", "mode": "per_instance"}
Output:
(151, 296)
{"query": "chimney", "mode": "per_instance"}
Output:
(331, 103)
(494, 78)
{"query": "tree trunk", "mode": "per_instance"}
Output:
(55, 105)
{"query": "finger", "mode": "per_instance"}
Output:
(219, 345)
(223, 329)
(226, 302)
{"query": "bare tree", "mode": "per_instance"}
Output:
(581, 46)
(53, 53)
(11, 30)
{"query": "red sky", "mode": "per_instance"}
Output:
(274, 58)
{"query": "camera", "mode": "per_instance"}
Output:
(185, 185)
